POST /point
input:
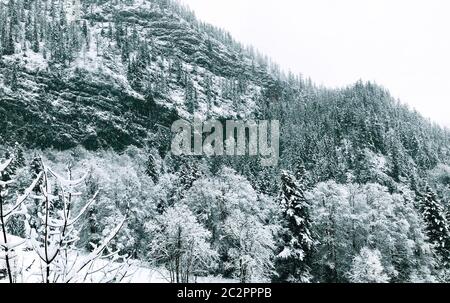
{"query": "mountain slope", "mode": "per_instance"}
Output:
(113, 73)
(360, 177)
(89, 74)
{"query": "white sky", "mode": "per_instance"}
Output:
(403, 45)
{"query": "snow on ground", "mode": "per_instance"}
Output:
(34, 61)
(27, 268)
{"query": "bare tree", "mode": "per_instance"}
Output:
(55, 239)
(54, 235)
(7, 213)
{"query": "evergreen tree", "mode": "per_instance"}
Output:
(296, 239)
(91, 233)
(9, 48)
(19, 156)
(189, 172)
(35, 207)
(17, 160)
(35, 36)
(151, 168)
(190, 96)
(436, 225)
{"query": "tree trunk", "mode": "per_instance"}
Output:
(5, 239)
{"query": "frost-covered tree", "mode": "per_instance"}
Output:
(349, 217)
(54, 236)
(189, 172)
(214, 199)
(356, 134)
(367, 268)
(251, 248)
(331, 216)
(180, 244)
(124, 187)
(296, 240)
(53, 233)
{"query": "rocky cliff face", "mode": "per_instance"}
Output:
(106, 78)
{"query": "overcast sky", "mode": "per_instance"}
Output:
(403, 45)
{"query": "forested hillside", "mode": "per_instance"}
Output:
(361, 193)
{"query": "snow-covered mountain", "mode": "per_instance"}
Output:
(106, 73)
(100, 80)
(97, 83)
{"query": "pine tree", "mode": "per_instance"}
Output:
(28, 27)
(19, 157)
(35, 36)
(189, 173)
(92, 230)
(85, 31)
(13, 81)
(296, 239)
(208, 93)
(35, 206)
(9, 48)
(151, 168)
(190, 95)
(436, 225)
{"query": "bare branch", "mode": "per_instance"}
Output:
(4, 165)
(66, 182)
(23, 197)
(98, 251)
(80, 214)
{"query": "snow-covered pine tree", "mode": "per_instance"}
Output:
(19, 155)
(17, 159)
(9, 48)
(14, 78)
(189, 172)
(33, 208)
(436, 225)
(35, 32)
(300, 171)
(91, 233)
(296, 238)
